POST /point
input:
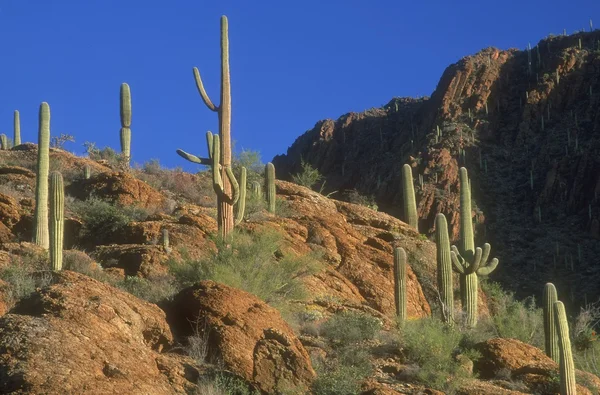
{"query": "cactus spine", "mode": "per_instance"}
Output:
(444, 268)
(126, 122)
(3, 142)
(551, 338)
(566, 366)
(469, 262)
(241, 204)
(226, 197)
(87, 172)
(270, 181)
(408, 192)
(400, 284)
(17, 129)
(57, 220)
(256, 189)
(41, 237)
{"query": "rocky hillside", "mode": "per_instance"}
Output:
(527, 126)
(131, 314)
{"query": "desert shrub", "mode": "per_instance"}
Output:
(154, 289)
(514, 319)
(432, 345)
(251, 160)
(350, 328)
(252, 262)
(59, 141)
(80, 262)
(337, 380)
(23, 275)
(104, 221)
(586, 347)
(107, 153)
(308, 176)
(353, 196)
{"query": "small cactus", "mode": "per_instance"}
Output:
(444, 268)
(551, 338)
(3, 142)
(270, 182)
(400, 284)
(256, 189)
(241, 203)
(87, 172)
(41, 237)
(57, 220)
(126, 121)
(568, 385)
(17, 129)
(165, 237)
(408, 193)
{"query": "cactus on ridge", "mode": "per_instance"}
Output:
(400, 262)
(41, 236)
(125, 104)
(226, 197)
(469, 261)
(550, 335)
(568, 385)
(87, 172)
(3, 142)
(57, 220)
(17, 129)
(444, 268)
(165, 237)
(408, 194)
(270, 186)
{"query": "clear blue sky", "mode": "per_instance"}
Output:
(292, 62)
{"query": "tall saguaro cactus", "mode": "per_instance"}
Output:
(400, 284)
(17, 129)
(270, 186)
(550, 335)
(57, 220)
(444, 268)
(469, 262)
(568, 385)
(3, 142)
(40, 236)
(225, 198)
(408, 193)
(125, 101)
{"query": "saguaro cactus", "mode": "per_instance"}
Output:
(241, 203)
(270, 182)
(17, 129)
(3, 142)
(165, 235)
(566, 366)
(400, 284)
(40, 236)
(57, 219)
(226, 198)
(550, 335)
(444, 268)
(469, 262)
(408, 193)
(87, 172)
(126, 121)
(256, 189)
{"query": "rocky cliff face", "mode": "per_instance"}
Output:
(526, 126)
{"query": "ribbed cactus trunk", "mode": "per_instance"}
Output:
(408, 194)
(550, 336)
(57, 220)
(444, 268)
(568, 385)
(41, 236)
(87, 172)
(3, 142)
(125, 104)
(469, 283)
(400, 284)
(241, 203)
(17, 129)
(270, 186)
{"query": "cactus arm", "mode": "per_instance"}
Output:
(235, 187)
(486, 254)
(458, 266)
(202, 91)
(477, 260)
(216, 167)
(241, 207)
(489, 268)
(194, 158)
(209, 144)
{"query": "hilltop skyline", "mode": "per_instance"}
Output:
(291, 65)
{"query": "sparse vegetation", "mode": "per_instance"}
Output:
(308, 176)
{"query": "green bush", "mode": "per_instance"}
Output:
(103, 221)
(350, 328)
(252, 262)
(308, 176)
(155, 289)
(338, 380)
